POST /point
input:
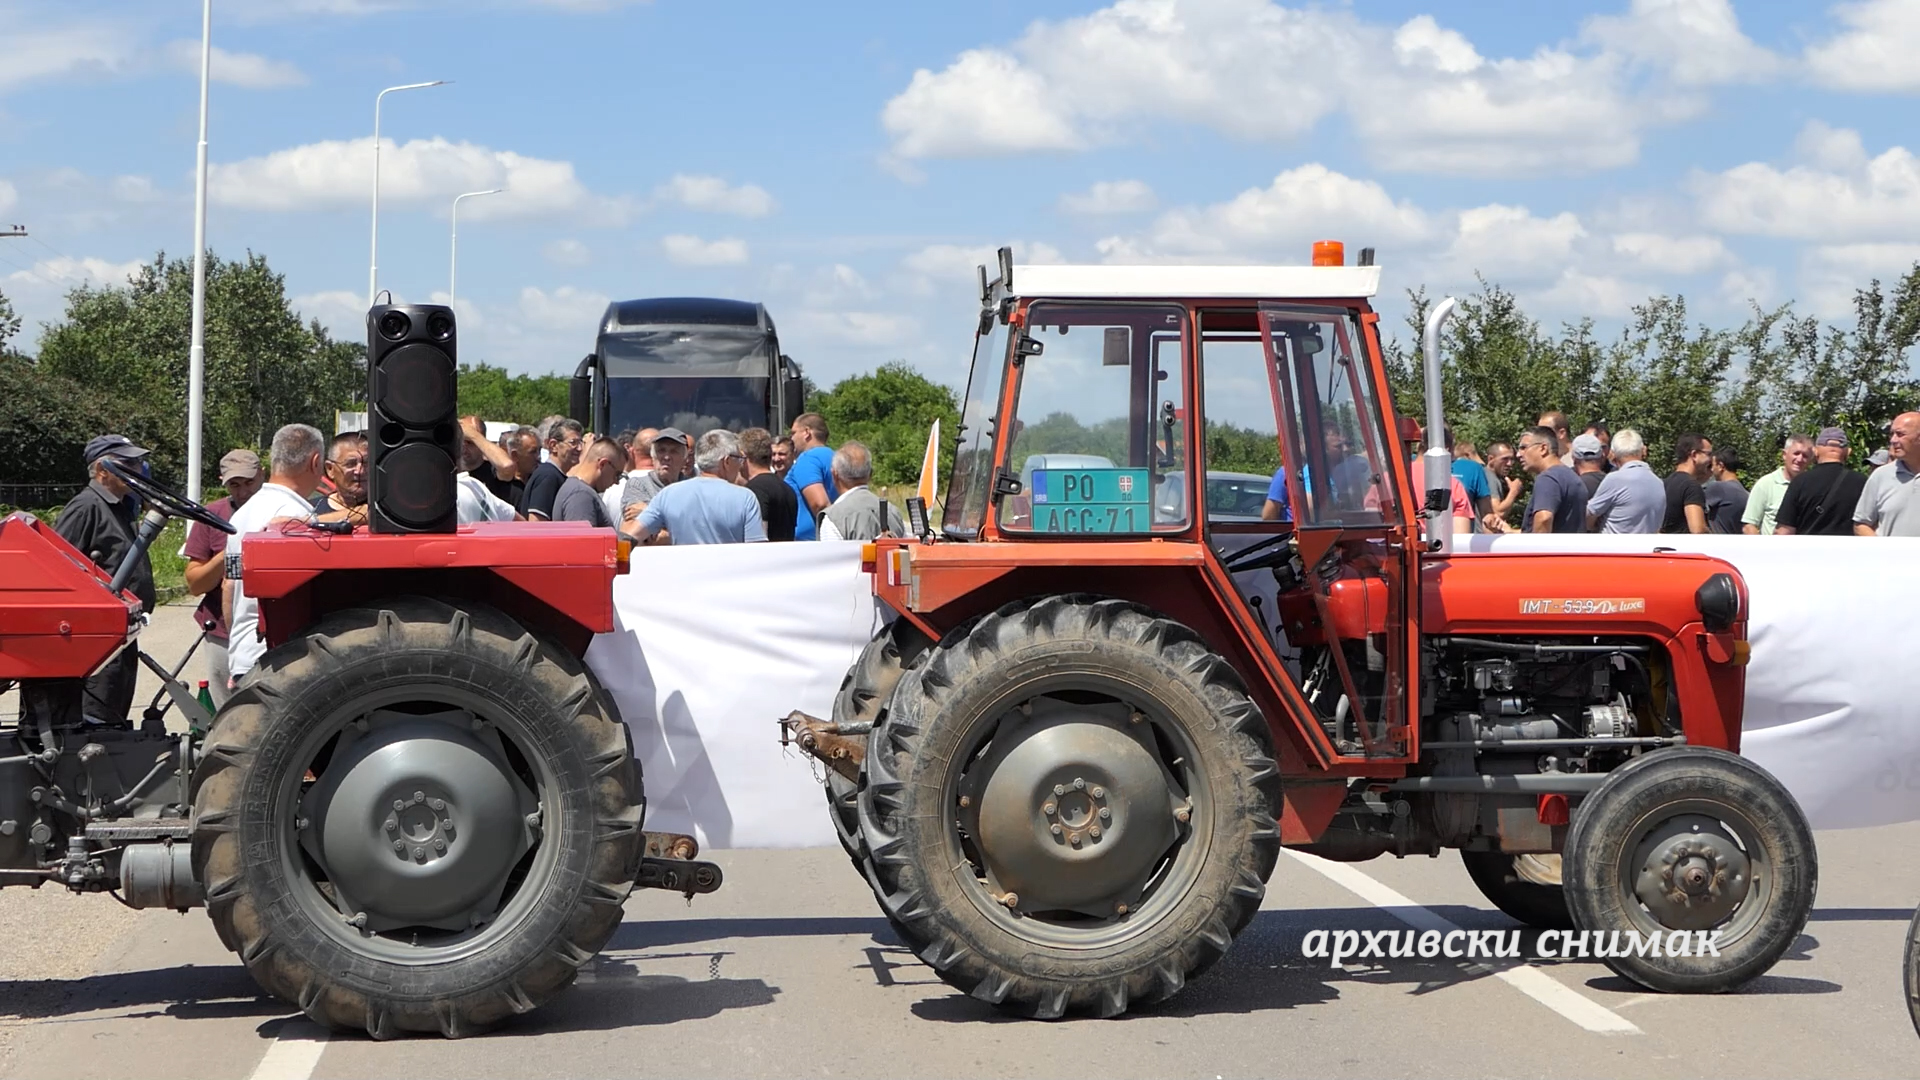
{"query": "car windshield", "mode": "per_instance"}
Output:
(667, 351)
(965, 508)
(694, 405)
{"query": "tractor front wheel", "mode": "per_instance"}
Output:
(1685, 842)
(1070, 807)
(862, 701)
(417, 817)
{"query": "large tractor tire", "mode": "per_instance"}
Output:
(1526, 887)
(1692, 838)
(417, 818)
(1071, 807)
(1910, 971)
(863, 699)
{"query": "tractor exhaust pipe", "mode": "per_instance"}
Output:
(1438, 467)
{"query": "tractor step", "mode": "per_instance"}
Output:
(148, 829)
(678, 875)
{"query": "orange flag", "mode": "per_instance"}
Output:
(930, 466)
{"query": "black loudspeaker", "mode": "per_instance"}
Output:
(413, 426)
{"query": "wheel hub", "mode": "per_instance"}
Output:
(417, 822)
(1692, 874)
(1074, 814)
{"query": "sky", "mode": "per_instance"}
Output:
(848, 164)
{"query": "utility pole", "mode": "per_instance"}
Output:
(197, 347)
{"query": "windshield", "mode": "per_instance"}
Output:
(966, 507)
(1099, 421)
(666, 351)
(695, 406)
(1337, 448)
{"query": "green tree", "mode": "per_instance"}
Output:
(9, 324)
(890, 411)
(491, 394)
(264, 368)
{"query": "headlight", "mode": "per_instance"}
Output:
(1719, 603)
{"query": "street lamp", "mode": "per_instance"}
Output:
(453, 266)
(373, 260)
(197, 348)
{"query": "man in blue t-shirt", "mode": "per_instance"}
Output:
(811, 474)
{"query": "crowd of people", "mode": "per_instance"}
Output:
(1603, 481)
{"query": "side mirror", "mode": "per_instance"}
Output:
(1117, 347)
(580, 389)
(793, 395)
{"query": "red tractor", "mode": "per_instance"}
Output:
(1113, 692)
(419, 813)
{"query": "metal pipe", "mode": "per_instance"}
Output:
(373, 255)
(151, 525)
(1438, 460)
(1540, 650)
(1528, 745)
(1531, 784)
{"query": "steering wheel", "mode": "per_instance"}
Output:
(165, 499)
(1261, 555)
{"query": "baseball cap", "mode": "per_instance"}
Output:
(673, 434)
(118, 446)
(1880, 457)
(1832, 436)
(1587, 446)
(244, 464)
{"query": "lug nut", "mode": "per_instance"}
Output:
(1181, 815)
(1048, 809)
(301, 823)
(1098, 792)
(399, 804)
(1120, 909)
(1074, 839)
(1054, 828)
(1059, 789)
(965, 802)
(1079, 784)
(437, 805)
(400, 846)
(1105, 814)
(393, 824)
(419, 796)
(1094, 832)
(440, 845)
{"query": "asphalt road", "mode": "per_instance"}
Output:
(790, 970)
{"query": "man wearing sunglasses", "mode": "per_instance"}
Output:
(565, 439)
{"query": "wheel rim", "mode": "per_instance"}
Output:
(1079, 814)
(1695, 865)
(420, 838)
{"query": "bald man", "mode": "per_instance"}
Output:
(1887, 506)
(579, 496)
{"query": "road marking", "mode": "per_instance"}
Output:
(294, 1053)
(1529, 980)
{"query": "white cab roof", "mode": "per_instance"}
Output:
(1198, 282)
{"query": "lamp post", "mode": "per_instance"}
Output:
(453, 256)
(373, 259)
(197, 349)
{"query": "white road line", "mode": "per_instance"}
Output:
(1530, 981)
(294, 1053)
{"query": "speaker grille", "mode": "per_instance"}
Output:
(416, 484)
(416, 385)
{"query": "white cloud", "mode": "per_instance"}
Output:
(67, 271)
(865, 328)
(1304, 204)
(1110, 197)
(1509, 241)
(238, 69)
(942, 264)
(133, 189)
(1420, 95)
(76, 50)
(1839, 195)
(343, 313)
(1831, 273)
(1674, 254)
(9, 195)
(1696, 42)
(712, 194)
(338, 174)
(1875, 53)
(684, 250)
(1599, 295)
(567, 252)
(565, 306)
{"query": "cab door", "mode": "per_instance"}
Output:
(1341, 483)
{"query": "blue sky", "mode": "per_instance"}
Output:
(848, 163)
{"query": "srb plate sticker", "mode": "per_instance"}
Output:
(1585, 605)
(1091, 501)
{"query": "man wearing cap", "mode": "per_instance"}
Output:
(206, 555)
(100, 522)
(1887, 504)
(1822, 500)
(1589, 461)
(670, 450)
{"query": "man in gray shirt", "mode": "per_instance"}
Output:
(579, 496)
(1631, 499)
(1887, 504)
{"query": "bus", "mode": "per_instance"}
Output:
(686, 362)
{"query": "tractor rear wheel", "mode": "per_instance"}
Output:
(1910, 971)
(1070, 807)
(417, 817)
(1526, 887)
(863, 699)
(1695, 840)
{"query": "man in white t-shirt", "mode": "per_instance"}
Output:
(296, 462)
(472, 500)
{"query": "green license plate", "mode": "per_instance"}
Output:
(1092, 501)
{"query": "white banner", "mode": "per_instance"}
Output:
(716, 643)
